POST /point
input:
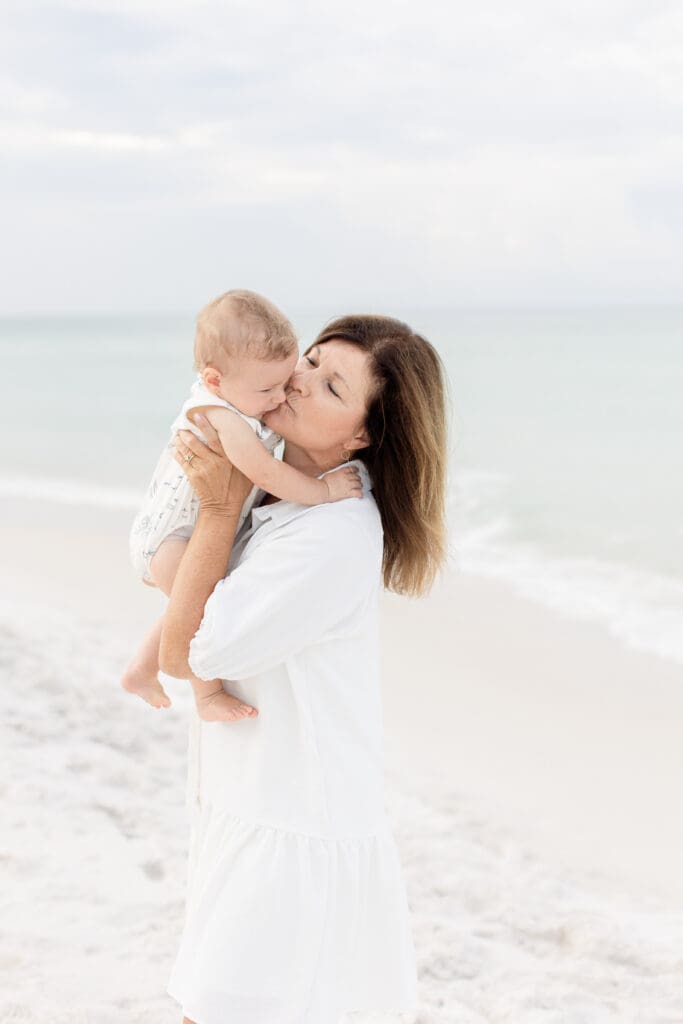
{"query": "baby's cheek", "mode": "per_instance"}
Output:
(252, 405)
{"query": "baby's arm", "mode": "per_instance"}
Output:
(251, 457)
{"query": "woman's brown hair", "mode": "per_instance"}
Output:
(407, 454)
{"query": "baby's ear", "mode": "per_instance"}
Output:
(212, 379)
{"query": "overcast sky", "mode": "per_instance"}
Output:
(340, 153)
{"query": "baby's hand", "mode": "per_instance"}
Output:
(343, 483)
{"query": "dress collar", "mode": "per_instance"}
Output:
(283, 511)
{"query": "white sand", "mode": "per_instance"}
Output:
(533, 771)
(551, 723)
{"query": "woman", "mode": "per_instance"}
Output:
(296, 907)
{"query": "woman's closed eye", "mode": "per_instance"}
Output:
(328, 383)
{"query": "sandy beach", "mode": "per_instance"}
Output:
(533, 775)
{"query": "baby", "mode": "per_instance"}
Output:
(245, 352)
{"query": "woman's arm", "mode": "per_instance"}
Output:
(221, 490)
(310, 580)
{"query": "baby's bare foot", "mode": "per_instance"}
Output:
(136, 680)
(220, 706)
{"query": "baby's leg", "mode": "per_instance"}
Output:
(213, 703)
(140, 676)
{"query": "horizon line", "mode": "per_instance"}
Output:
(369, 308)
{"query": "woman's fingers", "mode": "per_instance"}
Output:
(209, 472)
(187, 447)
(211, 435)
(190, 441)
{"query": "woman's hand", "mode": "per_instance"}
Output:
(220, 487)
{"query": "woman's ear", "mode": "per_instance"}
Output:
(359, 440)
(212, 379)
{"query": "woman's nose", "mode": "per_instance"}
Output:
(299, 382)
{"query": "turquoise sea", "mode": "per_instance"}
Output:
(566, 442)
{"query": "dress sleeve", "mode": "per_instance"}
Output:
(309, 581)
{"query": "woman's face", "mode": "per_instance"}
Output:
(327, 401)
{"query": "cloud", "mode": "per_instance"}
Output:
(443, 152)
(117, 142)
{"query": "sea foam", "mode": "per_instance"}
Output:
(68, 492)
(644, 609)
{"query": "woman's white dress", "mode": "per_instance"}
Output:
(296, 907)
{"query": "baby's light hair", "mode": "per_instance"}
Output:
(241, 323)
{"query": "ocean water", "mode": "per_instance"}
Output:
(566, 437)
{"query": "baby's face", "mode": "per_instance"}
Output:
(257, 386)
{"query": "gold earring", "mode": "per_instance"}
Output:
(346, 455)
